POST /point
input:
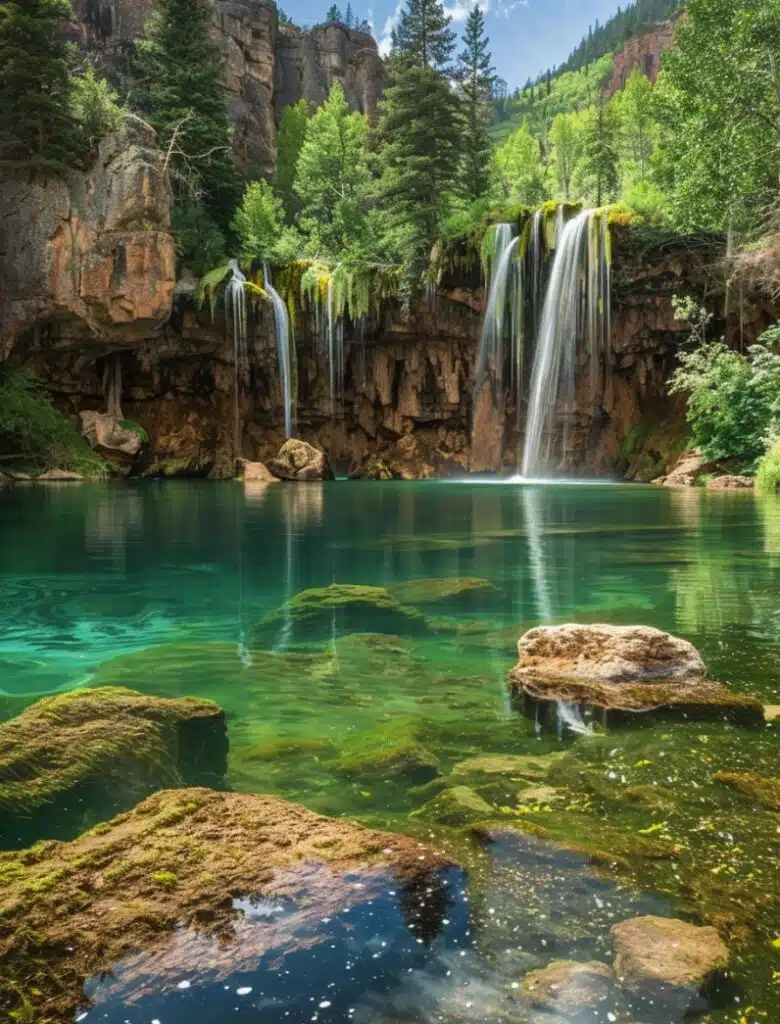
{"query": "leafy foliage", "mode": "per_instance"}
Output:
(31, 426)
(768, 471)
(733, 400)
(289, 140)
(258, 222)
(96, 107)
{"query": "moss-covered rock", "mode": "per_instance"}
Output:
(455, 593)
(760, 788)
(457, 806)
(312, 615)
(395, 753)
(575, 990)
(185, 859)
(75, 758)
(528, 767)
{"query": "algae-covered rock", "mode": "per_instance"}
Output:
(394, 753)
(622, 670)
(662, 961)
(572, 989)
(312, 614)
(457, 806)
(69, 760)
(200, 864)
(761, 788)
(531, 767)
(457, 592)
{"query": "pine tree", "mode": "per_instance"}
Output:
(36, 119)
(419, 130)
(181, 94)
(475, 77)
(599, 167)
(333, 16)
(348, 16)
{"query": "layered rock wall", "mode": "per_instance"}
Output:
(643, 53)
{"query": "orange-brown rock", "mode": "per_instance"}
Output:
(643, 53)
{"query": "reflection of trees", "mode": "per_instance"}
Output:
(111, 519)
(424, 902)
(769, 513)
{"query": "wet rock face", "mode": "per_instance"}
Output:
(664, 961)
(201, 885)
(298, 460)
(622, 669)
(105, 431)
(68, 760)
(94, 249)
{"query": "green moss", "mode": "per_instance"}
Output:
(166, 879)
(284, 749)
(457, 806)
(453, 592)
(135, 428)
(763, 789)
(392, 753)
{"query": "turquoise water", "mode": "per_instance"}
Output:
(162, 587)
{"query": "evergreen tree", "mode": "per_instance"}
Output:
(333, 16)
(419, 130)
(36, 119)
(475, 78)
(180, 93)
(599, 165)
(348, 16)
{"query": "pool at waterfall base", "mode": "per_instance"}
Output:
(358, 636)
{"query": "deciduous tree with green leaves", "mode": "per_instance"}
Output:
(518, 170)
(289, 139)
(638, 126)
(566, 139)
(474, 74)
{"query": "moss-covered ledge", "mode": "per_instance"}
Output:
(79, 757)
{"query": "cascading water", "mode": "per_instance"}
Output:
(490, 358)
(235, 307)
(335, 340)
(284, 343)
(576, 309)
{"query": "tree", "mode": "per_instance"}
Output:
(599, 165)
(259, 222)
(419, 131)
(333, 16)
(37, 123)
(566, 140)
(475, 77)
(289, 139)
(636, 117)
(348, 16)
(95, 107)
(719, 106)
(332, 178)
(180, 93)
(518, 168)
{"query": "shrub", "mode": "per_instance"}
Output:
(30, 426)
(95, 106)
(768, 471)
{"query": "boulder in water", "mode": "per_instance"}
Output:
(449, 593)
(108, 433)
(456, 806)
(574, 990)
(731, 483)
(70, 760)
(298, 460)
(763, 789)
(257, 473)
(622, 669)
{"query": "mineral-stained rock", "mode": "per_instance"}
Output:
(623, 669)
(298, 460)
(761, 788)
(104, 431)
(177, 887)
(457, 806)
(312, 614)
(731, 483)
(455, 592)
(70, 759)
(570, 988)
(664, 961)
(257, 473)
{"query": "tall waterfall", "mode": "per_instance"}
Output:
(235, 307)
(284, 342)
(576, 309)
(335, 342)
(490, 359)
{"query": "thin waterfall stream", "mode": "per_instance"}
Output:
(284, 343)
(235, 307)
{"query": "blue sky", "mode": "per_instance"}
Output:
(526, 36)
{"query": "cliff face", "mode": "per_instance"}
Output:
(641, 53)
(88, 259)
(267, 65)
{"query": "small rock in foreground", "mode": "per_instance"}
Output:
(298, 460)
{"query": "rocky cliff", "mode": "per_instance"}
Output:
(267, 65)
(641, 53)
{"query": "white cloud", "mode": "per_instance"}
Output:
(459, 11)
(384, 42)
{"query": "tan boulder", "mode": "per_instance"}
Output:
(686, 472)
(103, 430)
(570, 988)
(59, 476)
(299, 460)
(257, 473)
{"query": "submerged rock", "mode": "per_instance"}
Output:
(662, 961)
(73, 759)
(455, 592)
(622, 669)
(196, 884)
(348, 608)
(457, 806)
(761, 788)
(570, 988)
(298, 460)
(393, 753)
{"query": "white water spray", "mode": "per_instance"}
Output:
(235, 307)
(335, 340)
(284, 343)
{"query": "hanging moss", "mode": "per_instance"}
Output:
(208, 287)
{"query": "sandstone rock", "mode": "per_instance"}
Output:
(257, 473)
(68, 760)
(686, 472)
(569, 988)
(772, 712)
(665, 960)
(623, 669)
(731, 483)
(105, 431)
(58, 476)
(177, 888)
(761, 788)
(298, 460)
(641, 52)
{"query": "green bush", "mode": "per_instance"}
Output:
(96, 107)
(733, 399)
(31, 427)
(768, 471)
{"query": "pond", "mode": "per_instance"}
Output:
(370, 708)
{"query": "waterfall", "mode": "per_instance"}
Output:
(576, 308)
(235, 308)
(112, 384)
(284, 342)
(490, 358)
(335, 340)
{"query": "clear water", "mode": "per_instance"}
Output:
(159, 587)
